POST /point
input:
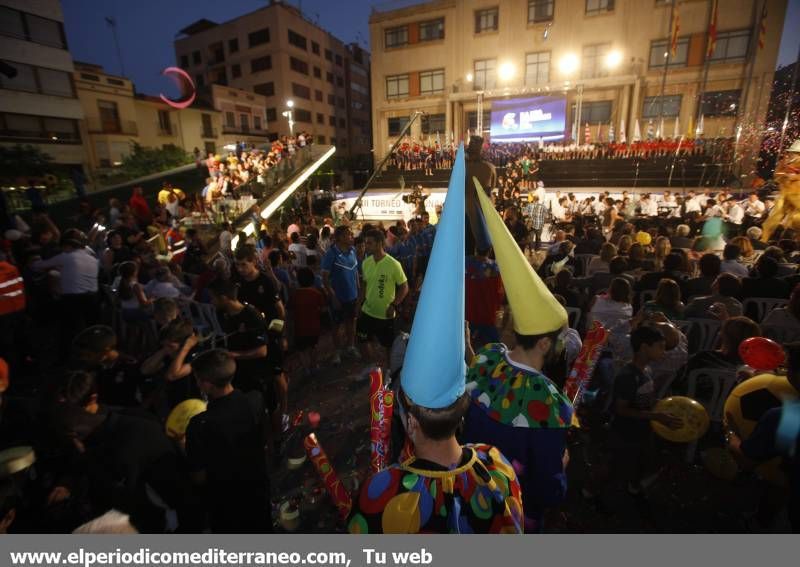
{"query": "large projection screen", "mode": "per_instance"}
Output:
(529, 119)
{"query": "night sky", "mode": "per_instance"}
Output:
(147, 29)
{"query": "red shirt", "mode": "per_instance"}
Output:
(484, 291)
(306, 304)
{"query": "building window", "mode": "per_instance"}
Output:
(537, 68)
(301, 91)
(320, 118)
(31, 28)
(594, 111)
(396, 125)
(25, 80)
(256, 123)
(265, 89)
(594, 7)
(593, 63)
(658, 106)
(233, 45)
(25, 127)
(433, 123)
(236, 71)
(116, 82)
(244, 120)
(660, 49)
(540, 11)
(196, 57)
(731, 46)
(199, 80)
(484, 75)
(109, 116)
(208, 128)
(329, 55)
(184, 61)
(396, 86)
(55, 82)
(318, 96)
(431, 82)
(230, 119)
(332, 99)
(332, 121)
(339, 81)
(272, 115)
(314, 48)
(317, 73)
(355, 87)
(329, 77)
(259, 37)
(342, 123)
(431, 30)
(164, 123)
(340, 102)
(472, 119)
(261, 64)
(298, 66)
(301, 115)
(298, 40)
(339, 61)
(720, 103)
(486, 20)
(395, 37)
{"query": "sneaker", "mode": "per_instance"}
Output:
(353, 353)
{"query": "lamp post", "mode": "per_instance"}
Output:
(288, 114)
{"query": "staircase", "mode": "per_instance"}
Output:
(652, 172)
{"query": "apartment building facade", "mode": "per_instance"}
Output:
(277, 53)
(607, 57)
(38, 100)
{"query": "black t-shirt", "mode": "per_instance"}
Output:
(246, 330)
(227, 442)
(637, 388)
(261, 294)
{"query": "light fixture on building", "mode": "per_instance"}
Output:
(469, 77)
(546, 32)
(568, 64)
(614, 59)
(506, 71)
(54, 137)
(290, 103)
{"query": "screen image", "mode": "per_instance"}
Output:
(528, 119)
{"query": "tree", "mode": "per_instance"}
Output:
(23, 161)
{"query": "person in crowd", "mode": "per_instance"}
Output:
(710, 265)
(341, 281)
(681, 238)
(725, 289)
(601, 264)
(225, 450)
(484, 295)
(385, 287)
(671, 270)
(297, 250)
(765, 281)
(667, 300)
(661, 250)
(306, 305)
(537, 215)
(730, 262)
(785, 317)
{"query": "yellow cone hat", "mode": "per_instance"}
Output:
(535, 310)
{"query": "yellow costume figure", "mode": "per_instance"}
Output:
(786, 212)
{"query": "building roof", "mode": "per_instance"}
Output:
(198, 26)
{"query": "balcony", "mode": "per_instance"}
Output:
(209, 133)
(165, 131)
(238, 130)
(124, 127)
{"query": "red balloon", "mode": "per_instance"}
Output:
(761, 353)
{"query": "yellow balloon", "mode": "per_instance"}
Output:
(692, 413)
(180, 416)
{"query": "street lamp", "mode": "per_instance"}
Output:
(568, 64)
(288, 114)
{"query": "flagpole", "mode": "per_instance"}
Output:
(789, 102)
(702, 90)
(741, 114)
(666, 63)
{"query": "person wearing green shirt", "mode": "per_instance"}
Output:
(385, 287)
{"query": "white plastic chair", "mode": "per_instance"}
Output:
(722, 382)
(763, 305)
(708, 332)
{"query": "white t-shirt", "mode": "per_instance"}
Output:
(300, 254)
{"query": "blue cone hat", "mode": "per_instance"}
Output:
(434, 369)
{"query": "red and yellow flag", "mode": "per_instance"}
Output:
(762, 27)
(712, 30)
(673, 38)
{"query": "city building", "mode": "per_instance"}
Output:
(277, 53)
(38, 101)
(452, 58)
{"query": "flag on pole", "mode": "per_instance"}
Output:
(762, 27)
(611, 132)
(599, 133)
(637, 132)
(623, 138)
(712, 30)
(587, 134)
(701, 125)
(690, 129)
(676, 131)
(660, 132)
(676, 28)
(574, 132)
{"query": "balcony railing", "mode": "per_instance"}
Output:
(240, 130)
(98, 126)
(162, 131)
(209, 133)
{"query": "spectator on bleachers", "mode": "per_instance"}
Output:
(164, 284)
(667, 300)
(754, 236)
(709, 270)
(601, 264)
(725, 289)
(730, 262)
(764, 282)
(661, 250)
(671, 270)
(785, 317)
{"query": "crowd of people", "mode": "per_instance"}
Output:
(103, 338)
